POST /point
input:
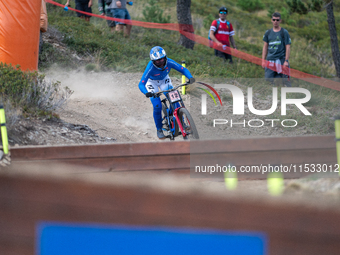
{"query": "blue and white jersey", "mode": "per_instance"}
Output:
(151, 72)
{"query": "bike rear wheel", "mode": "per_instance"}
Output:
(188, 124)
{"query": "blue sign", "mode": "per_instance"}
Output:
(74, 239)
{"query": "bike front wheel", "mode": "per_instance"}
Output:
(188, 124)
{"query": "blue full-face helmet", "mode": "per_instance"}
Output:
(157, 53)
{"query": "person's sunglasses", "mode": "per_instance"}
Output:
(223, 12)
(275, 19)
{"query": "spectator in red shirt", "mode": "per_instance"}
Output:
(222, 34)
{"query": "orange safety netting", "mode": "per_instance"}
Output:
(19, 33)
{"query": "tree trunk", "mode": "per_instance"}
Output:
(334, 38)
(185, 22)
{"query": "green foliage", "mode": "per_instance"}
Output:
(312, 33)
(207, 21)
(202, 7)
(302, 8)
(250, 5)
(29, 90)
(271, 10)
(284, 15)
(316, 5)
(14, 82)
(153, 13)
(49, 55)
(78, 38)
(297, 6)
(92, 67)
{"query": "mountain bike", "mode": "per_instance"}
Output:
(176, 119)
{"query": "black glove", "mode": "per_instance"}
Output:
(149, 94)
(192, 80)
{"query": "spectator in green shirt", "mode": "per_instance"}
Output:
(276, 49)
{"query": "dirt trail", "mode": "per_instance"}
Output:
(108, 102)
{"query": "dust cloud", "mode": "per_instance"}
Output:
(108, 102)
(88, 85)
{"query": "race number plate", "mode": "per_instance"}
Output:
(174, 96)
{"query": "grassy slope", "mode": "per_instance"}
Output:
(310, 40)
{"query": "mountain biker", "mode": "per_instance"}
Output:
(155, 77)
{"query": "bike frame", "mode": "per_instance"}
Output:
(175, 117)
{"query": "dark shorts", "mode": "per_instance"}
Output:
(223, 55)
(270, 75)
(109, 13)
(121, 14)
(83, 6)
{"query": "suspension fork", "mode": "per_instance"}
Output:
(184, 134)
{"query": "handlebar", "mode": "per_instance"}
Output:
(157, 94)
